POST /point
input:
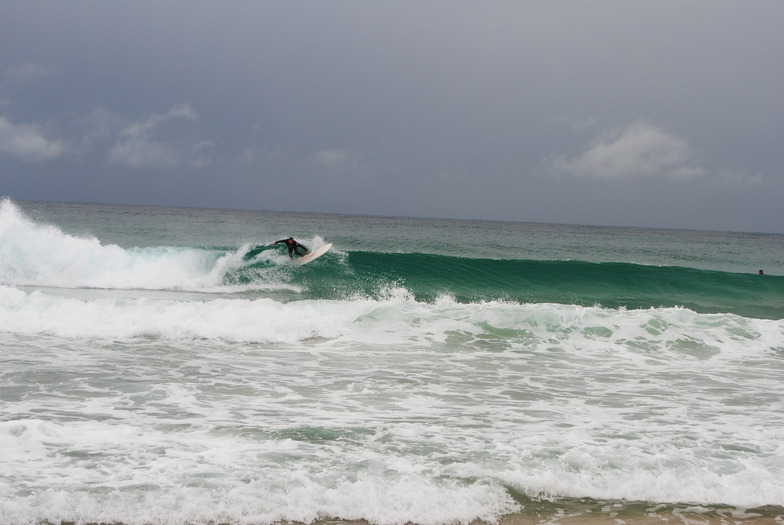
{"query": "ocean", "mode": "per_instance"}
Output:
(165, 366)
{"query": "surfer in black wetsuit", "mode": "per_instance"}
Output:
(293, 246)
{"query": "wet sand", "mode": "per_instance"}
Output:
(613, 515)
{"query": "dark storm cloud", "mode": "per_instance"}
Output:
(644, 113)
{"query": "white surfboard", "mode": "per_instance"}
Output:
(315, 254)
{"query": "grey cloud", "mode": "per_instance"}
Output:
(144, 144)
(336, 158)
(28, 72)
(638, 150)
(27, 142)
(439, 108)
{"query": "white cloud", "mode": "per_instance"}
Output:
(144, 144)
(27, 142)
(335, 158)
(638, 150)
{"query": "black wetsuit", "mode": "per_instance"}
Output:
(293, 246)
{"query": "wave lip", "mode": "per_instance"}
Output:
(42, 255)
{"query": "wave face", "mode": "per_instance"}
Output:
(165, 365)
(610, 285)
(36, 254)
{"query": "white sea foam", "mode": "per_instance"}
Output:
(641, 335)
(35, 254)
(390, 410)
(142, 406)
(428, 423)
(261, 320)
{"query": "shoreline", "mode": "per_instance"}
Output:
(550, 514)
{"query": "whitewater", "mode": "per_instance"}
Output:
(166, 366)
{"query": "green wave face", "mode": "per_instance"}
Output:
(611, 285)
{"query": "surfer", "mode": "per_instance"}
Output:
(293, 246)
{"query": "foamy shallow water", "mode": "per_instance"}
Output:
(436, 411)
(223, 403)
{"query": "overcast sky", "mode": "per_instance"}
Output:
(631, 113)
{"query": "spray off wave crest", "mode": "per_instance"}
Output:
(34, 254)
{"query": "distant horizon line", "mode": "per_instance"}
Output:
(382, 216)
